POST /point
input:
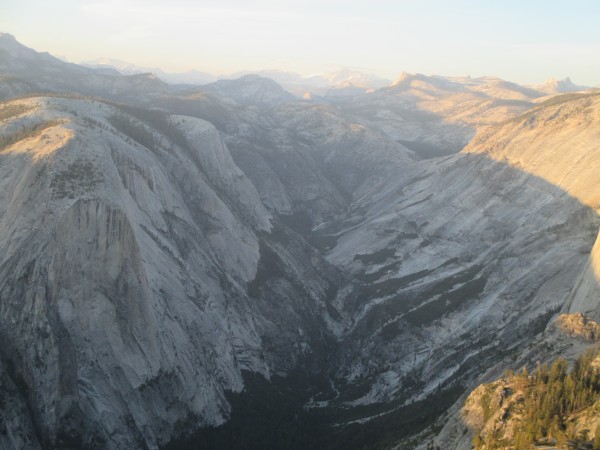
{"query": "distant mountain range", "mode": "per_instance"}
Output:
(234, 266)
(328, 83)
(341, 83)
(194, 77)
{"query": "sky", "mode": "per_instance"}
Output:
(526, 41)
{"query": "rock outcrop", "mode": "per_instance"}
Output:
(155, 253)
(127, 259)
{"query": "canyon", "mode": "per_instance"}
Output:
(181, 265)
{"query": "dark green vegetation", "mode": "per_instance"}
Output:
(140, 124)
(200, 105)
(80, 177)
(425, 150)
(424, 304)
(134, 130)
(272, 415)
(8, 111)
(159, 121)
(26, 132)
(544, 405)
(301, 223)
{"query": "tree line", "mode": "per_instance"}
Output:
(544, 405)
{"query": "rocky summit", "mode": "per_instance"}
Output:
(231, 266)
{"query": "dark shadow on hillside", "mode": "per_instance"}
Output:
(395, 330)
(398, 328)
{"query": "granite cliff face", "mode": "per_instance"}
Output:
(443, 290)
(158, 252)
(126, 269)
(558, 142)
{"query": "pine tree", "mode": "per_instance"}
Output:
(547, 397)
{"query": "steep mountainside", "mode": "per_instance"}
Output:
(25, 71)
(133, 274)
(558, 141)
(306, 160)
(203, 267)
(457, 264)
(437, 116)
(444, 288)
(552, 405)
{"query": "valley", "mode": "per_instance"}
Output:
(231, 264)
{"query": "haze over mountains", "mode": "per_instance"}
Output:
(235, 264)
(343, 82)
(340, 83)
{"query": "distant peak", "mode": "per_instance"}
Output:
(15, 49)
(406, 77)
(251, 77)
(7, 36)
(556, 80)
(564, 85)
(403, 77)
(251, 89)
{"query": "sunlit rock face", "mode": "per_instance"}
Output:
(126, 270)
(154, 255)
(558, 142)
(464, 262)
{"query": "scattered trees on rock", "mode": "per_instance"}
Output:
(542, 405)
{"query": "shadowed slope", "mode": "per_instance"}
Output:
(127, 253)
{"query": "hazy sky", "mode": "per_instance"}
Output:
(525, 41)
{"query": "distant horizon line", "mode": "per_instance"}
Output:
(141, 69)
(239, 73)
